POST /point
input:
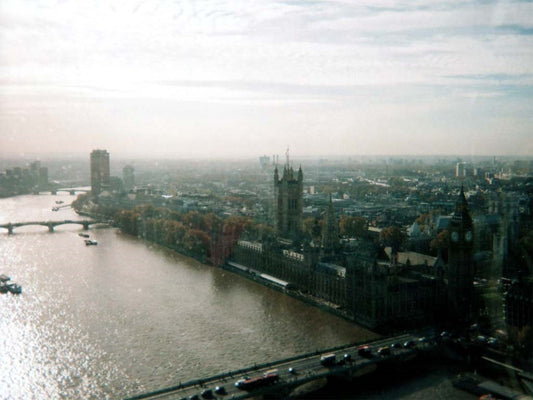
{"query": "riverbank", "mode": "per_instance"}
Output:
(260, 278)
(134, 316)
(212, 240)
(166, 233)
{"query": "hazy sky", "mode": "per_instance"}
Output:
(251, 77)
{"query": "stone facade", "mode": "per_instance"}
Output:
(392, 296)
(398, 291)
(460, 273)
(288, 202)
(303, 271)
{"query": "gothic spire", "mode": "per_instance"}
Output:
(461, 213)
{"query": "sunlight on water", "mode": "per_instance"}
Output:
(125, 317)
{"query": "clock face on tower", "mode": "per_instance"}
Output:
(468, 236)
(455, 236)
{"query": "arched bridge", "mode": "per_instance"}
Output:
(10, 226)
(71, 191)
(301, 374)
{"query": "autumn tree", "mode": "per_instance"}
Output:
(308, 224)
(352, 226)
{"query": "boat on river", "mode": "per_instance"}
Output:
(85, 235)
(3, 283)
(89, 242)
(14, 288)
(6, 286)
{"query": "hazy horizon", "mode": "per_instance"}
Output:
(121, 158)
(232, 79)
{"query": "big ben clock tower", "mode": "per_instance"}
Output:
(460, 266)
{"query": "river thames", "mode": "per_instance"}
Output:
(125, 316)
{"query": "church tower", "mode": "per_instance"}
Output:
(460, 272)
(288, 201)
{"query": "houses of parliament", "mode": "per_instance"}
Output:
(380, 293)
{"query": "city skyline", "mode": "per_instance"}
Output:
(229, 79)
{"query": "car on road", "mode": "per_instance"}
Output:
(220, 390)
(481, 339)
(327, 359)
(364, 351)
(384, 351)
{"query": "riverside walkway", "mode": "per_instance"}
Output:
(297, 374)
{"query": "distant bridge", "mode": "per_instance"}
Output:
(10, 226)
(296, 375)
(71, 191)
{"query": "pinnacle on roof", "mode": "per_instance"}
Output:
(461, 200)
(461, 208)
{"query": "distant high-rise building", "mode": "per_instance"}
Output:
(463, 169)
(99, 170)
(288, 202)
(128, 177)
(460, 273)
(264, 161)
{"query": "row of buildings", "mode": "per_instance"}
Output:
(18, 180)
(375, 289)
(376, 286)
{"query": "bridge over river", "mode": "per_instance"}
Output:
(299, 374)
(10, 226)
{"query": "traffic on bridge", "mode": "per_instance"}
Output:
(293, 375)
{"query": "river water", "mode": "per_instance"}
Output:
(126, 317)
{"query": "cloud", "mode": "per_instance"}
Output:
(369, 66)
